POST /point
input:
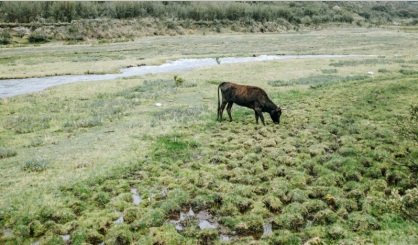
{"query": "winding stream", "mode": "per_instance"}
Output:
(13, 87)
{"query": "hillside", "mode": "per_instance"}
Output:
(24, 22)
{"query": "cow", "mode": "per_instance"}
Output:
(247, 96)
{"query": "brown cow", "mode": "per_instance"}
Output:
(248, 96)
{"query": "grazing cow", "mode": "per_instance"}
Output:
(248, 96)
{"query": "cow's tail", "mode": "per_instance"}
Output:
(219, 102)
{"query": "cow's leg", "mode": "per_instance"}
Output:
(221, 110)
(256, 116)
(260, 114)
(228, 109)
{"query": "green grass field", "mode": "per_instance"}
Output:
(340, 168)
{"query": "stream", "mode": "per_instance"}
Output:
(13, 87)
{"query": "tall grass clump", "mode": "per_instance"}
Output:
(27, 124)
(5, 153)
(34, 165)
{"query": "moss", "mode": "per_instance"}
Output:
(273, 203)
(131, 214)
(151, 218)
(84, 235)
(165, 234)
(52, 239)
(336, 232)
(282, 237)
(77, 206)
(315, 241)
(349, 204)
(315, 205)
(298, 195)
(63, 215)
(36, 228)
(101, 198)
(228, 209)
(119, 234)
(115, 186)
(99, 220)
(325, 217)
(208, 236)
(361, 222)
(175, 200)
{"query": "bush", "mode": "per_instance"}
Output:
(5, 37)
(38, 37)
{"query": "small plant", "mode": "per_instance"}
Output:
(278, 83)
(329, 71)
(84, 123)
(34, 165)
(178, 80)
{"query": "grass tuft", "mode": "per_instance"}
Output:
(5, 153)
(34, 165)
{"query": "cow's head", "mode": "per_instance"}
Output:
(275, 115)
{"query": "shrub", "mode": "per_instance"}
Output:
(178, 80)
(5, 37)
(34, 165)
(38, 37)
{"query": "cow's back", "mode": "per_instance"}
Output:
(243, 95)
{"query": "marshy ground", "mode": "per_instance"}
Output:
(100, 162)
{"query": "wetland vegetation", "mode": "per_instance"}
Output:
(141, 160)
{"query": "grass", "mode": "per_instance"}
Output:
(337, 169)
(110, 57)
(316, 81)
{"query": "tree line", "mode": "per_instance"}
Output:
(293, 12)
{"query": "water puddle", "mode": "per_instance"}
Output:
(225, 238)
(120, 219)
(13, 87)
(206, 221)
(137, 199)
(308, 223)
(177, 219)
(7, 232)
(66, 238)
(204, 224)
(267, 230)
